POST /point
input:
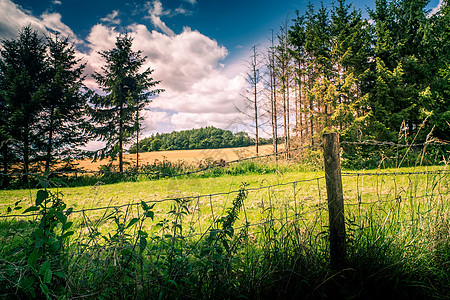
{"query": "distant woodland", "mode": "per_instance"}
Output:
(203, 138)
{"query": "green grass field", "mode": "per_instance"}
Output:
(197, 237)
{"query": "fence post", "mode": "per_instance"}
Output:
(338, 249)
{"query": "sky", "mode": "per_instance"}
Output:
(197, 48)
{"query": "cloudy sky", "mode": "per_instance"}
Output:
(197, 47)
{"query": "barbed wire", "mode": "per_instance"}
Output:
(392, 144)
(175, 198)
(216, 164)
(435, 172)
(344, 174)
(219, 164)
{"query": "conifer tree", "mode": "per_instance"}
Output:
(127, 91)
(64, 123)
(23, 74)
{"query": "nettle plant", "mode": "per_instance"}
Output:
(46, 245)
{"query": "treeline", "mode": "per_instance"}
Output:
(202, 138)
(385, 79)
(46, 111)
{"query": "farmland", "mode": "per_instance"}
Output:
(171, 232)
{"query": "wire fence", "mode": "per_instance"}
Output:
(421, 194)
(410, 206)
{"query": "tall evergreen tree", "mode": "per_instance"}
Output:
(297, 40)
(23, 75)
(351, 54)
(127, 91)
(64, 124)
(400, 66)
(5, 136)
(435, 94)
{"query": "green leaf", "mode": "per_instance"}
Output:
(67, 234)
(142, 243)
(67, 225)
(126, 252)
(48, 276)
(44, 288)
(32, 259)
(31, 208)
(150, 214)
(8, 210)
(27, 282)
(45, 266)
(144, 205)
(60, 274)
(61, 217)
(132, 222)
(41, 197)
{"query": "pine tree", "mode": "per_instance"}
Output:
(127, 91)
(351, 52)
(435, 93)
(23, 74)
(64, 123)
(297, 40)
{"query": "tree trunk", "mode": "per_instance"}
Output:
(137, 141)
(5, 177)
(50, 142)
(121, 139)
(26, 156)
(255, 92)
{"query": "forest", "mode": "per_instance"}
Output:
(202, 138)
(385, 78)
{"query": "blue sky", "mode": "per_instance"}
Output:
(197, 47)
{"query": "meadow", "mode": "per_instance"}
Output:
(258, 233)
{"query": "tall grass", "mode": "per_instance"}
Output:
(265, 243)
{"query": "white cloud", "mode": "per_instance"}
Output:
(57, 2)
(437, 8)
(193, 2)
(53, 22)
(112, 18)
(13, 18)
(155, 12)
(197, 92)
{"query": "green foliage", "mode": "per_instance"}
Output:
(63, 119)
(396, 247)
(373, 79)
(22, 89)
(43, 257)
(127, 92)
(202, 138)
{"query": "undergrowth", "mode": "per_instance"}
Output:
(139, 257)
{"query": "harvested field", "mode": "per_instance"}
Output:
(190, 156)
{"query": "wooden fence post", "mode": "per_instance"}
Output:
(338, 249)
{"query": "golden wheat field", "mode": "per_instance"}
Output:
(189, 156)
